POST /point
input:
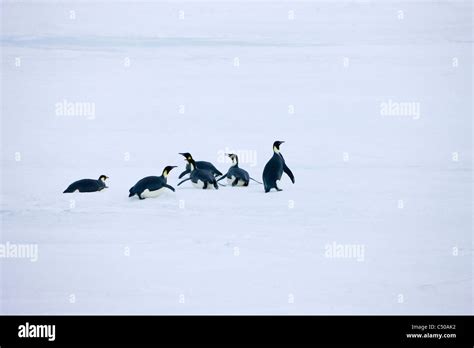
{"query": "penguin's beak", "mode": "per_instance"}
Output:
(186, 158)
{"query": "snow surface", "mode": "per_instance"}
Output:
(386, 183)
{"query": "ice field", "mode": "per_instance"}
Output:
(373, 99)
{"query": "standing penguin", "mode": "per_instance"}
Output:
(201, 178)
(88, 185)
(274, 169)
(152, 186)
(199, 164)
(237, 176)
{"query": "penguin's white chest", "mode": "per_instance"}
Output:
(231, 180)
(152, 194)
(200, 184)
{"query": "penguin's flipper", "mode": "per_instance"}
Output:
(235, 182)
(217, 172)
(258, 182)
(184, 181)
(289, 173)
(183, 173)
(169, 187)
(222, 177)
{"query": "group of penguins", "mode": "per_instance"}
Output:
(202, 175)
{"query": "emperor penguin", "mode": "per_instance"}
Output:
(201, 178)
(152, 186)
(237, 176)
(88, 185)
(199, 164)
(274, 169)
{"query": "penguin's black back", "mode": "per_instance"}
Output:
(201, 165)
(152, 183)
(206, 166)
(85, 185)
(203, 175)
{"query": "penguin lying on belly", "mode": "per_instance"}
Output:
(88, 185)
(200, 178)
(237, 176)
(152, 186)
(199, 164)
(274, 169)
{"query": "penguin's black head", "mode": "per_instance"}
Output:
(233, 157)
(167, 170)
(187, 156)
(103, 178)
(276, 145)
